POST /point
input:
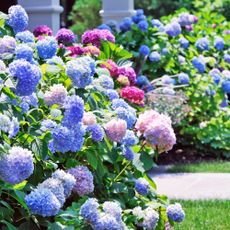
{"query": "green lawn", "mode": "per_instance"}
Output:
(214, 167)
(205, 215)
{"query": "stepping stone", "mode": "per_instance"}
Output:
(193, 186)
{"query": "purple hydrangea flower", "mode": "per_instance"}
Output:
(16, 166)
(186, 19)
(65, 36)
(96, 131)
(42, 30)
(84, 180)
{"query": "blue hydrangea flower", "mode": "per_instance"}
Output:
(7, 46)
(183, 78)
(164, 51)
(68, 181)
(25, 36)
(84, 180)
(116, 103)
(175, 212)
(14, 127)
(142, 186)
(43, 202)
(74, 110)
(55, 186)
(139, 16)
(96, 131)
(27, 75)
(184, 43)
(127, 115)
(219, 43)
(226, 86)
(202, 44)
(166, 80)
(108, 222)
(130, 138)
(48, 124)
(126, 24)
(24, 51)
(27, 101)
(227, 57)
(47, 47)
(81, 71)
(89, 211)
(128, 153)
(105, 27)
(113, 209)
(112, 94)
(17, 165)
(155, 57)
(157, 23)
(105, 82)
(112, 24)
(4, 123)
(210, 92)
(173, 29)
(18, 18)
(143, 25)
(224, 102)
(144, 50)
(216, 75)
(199, 64)
(142, 81)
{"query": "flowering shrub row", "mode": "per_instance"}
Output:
(186, 52)
(73, 152)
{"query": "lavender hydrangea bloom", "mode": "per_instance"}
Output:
(81, 71)
(128, 153)
(112, 94)
(143, 25)
(47, 47)
(27, 101)
(129, 139)
(175, 212)
(173, 29)
(113, 209)
(186, 19)
(89, 211)
(24, 51)
(18, 18)
(74, 110)
(219, 43)
(108, 222)
(157, 23)
(55, 186)
(155, 57)
(105, 82)
(48, 124)
(127, 115)
(25, 36)
(96, 131)
(183, 78)
(165, 51)
(142, 186)
(202, 44)
(28, 76)
(68, 181)
(84, 180)
(167, 80)
(14, 127)
(199, 64)
(7, 46)
(16, 166)
(65, 36)
(4, 123)
(144, 50)
(43, 202)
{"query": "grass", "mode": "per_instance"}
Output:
(212, 167)
(205, 215)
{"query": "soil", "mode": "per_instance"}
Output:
(184, 155)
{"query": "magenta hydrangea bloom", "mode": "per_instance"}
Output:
(129, 73)
(42, 30)
(95, 36)
(65, 36)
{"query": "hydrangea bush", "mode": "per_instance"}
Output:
(75, 147)
(188, 52)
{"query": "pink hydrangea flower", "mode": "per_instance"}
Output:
(75, 50)
(148, 117)
(133, 94)
(89, 118)
(111, 66)
(95, 37)
(128, 72)
(42, 30)
(116, 129)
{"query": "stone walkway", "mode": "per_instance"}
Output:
(193, 186)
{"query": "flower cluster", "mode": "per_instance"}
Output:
(42, 30)
(17, 165)
(65, 36)
(175, 212)
(133, 94)
(142, 186)
(49, 196)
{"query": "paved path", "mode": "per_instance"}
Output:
(193, 186)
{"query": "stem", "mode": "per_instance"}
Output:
(121, 172)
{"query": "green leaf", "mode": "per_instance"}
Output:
(20, 186)
(9, 225)
(92, 159)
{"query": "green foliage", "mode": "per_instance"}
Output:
(85, 15)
